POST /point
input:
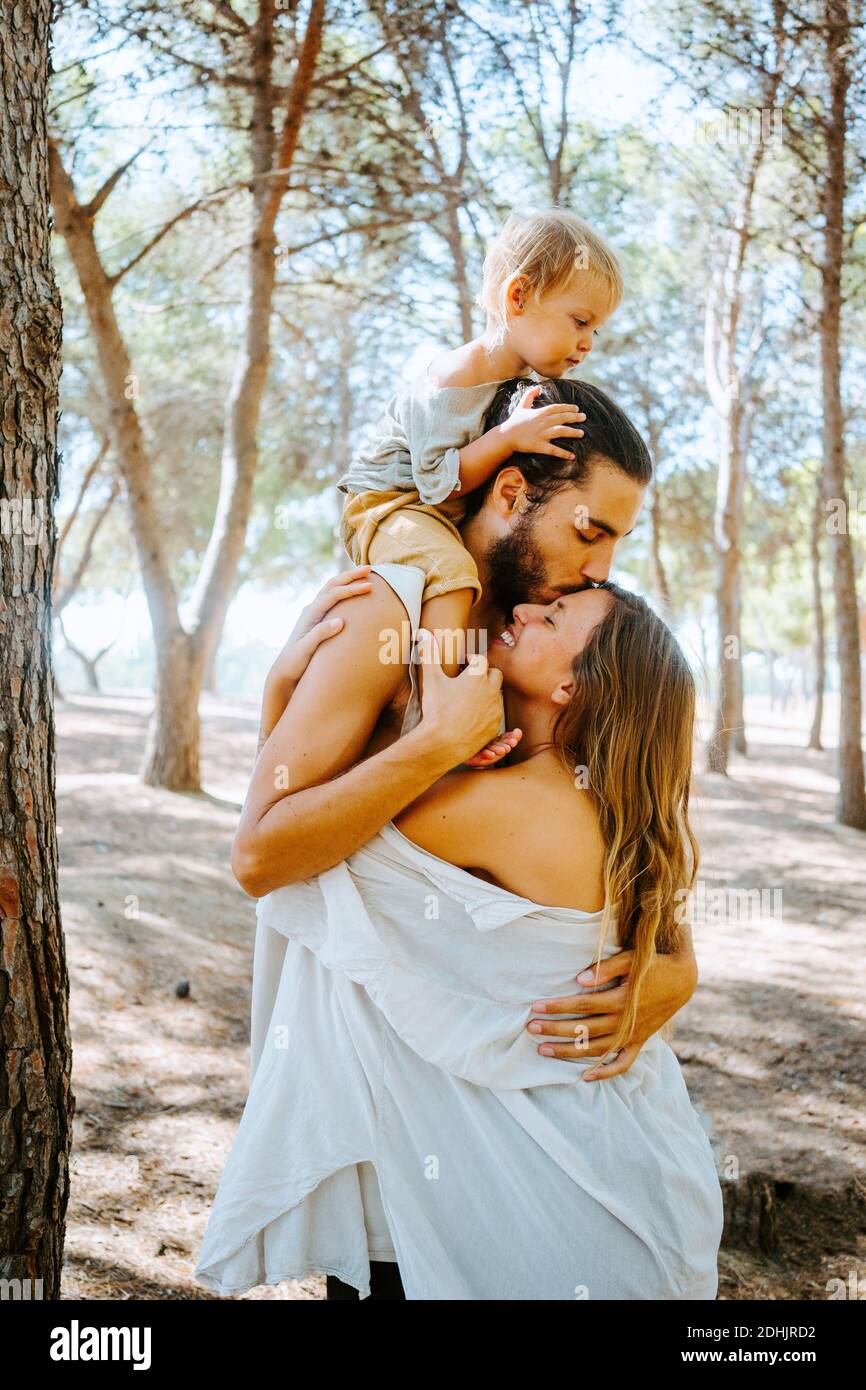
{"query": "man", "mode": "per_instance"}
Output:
(334, 770)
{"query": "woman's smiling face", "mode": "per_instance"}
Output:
(535, 652)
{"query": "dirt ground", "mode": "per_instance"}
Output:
(771, 1044)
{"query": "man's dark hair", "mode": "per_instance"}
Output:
(608, 436)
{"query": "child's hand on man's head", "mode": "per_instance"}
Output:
(535, 431)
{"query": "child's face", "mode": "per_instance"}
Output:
(555, 333)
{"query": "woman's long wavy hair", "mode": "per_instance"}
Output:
(627, 733)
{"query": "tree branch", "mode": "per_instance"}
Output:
(67, 590)
(76, 508)
(92, 208)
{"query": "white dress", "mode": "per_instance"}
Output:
(398, 1105)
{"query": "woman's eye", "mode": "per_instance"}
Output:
(550, 620)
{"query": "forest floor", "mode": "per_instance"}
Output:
(771, 1044)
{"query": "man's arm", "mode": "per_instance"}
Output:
(310, 803)
(668, 986)
(312, 628)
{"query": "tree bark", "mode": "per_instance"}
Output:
(841, 39)
(818, 611)
(36, 1099)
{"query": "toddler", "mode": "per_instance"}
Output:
(549, 283)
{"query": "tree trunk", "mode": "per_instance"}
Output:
(738, 728)
(770, 659)
(751, 1210)
(461, 279)
(171, 755)
(172, 749)
(343, 438)
(705, 652)
(727, 371)
(728, 714)
(209, 677)
(36, 1100)
(851, 802)
(659, 575)
(90, 663)
(214, 585)
(75, 223)
(818, 610)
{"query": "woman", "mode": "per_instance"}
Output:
(400, 1111)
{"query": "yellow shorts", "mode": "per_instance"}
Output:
(397, 528)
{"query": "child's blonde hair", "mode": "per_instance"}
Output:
(546, 247)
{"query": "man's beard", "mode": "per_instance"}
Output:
(515, 569)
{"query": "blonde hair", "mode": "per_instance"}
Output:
(546, 247)
(629, 726)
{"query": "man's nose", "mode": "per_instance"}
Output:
(597, 567)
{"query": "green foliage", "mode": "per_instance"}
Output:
(464, 111)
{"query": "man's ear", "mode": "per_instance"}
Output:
(563, 692)
(509, 491)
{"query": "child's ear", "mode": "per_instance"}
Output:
(517, 294)
(563, 692)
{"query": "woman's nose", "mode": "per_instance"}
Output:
(525, 612)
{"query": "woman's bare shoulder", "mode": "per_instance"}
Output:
(546, 840)
(545, 782)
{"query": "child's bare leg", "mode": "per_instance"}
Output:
(447, 616)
